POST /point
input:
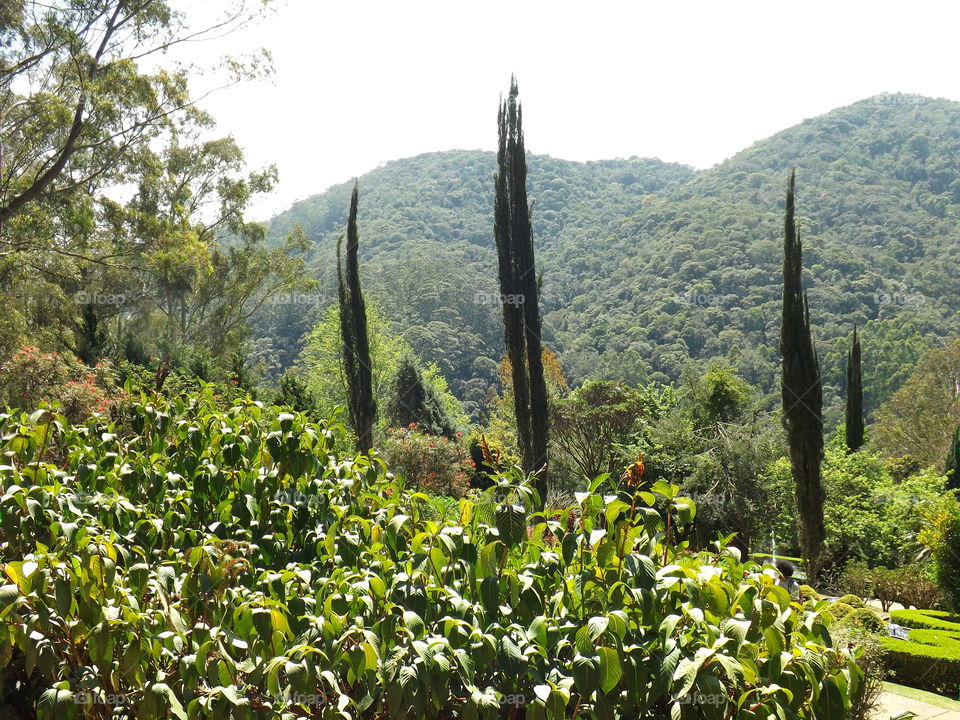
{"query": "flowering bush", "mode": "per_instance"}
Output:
(31, 377)
(433, 463)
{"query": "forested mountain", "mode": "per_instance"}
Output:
(647, 264)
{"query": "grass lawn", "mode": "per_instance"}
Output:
(922, 695)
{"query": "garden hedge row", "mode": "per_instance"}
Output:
(930, 659)
(926, 619)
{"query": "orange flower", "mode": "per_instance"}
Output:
(634, 473)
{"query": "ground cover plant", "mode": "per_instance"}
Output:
(244, 563)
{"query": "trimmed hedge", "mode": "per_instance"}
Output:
(926, 619)
(930, 659)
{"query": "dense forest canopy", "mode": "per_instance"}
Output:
(648, 264)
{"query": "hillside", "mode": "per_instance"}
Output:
(647, 264)
(427, 250)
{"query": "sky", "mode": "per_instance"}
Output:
(358, 83)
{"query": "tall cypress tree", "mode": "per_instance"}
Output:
(353, 335)
(518, 281)
(802, 394)
(854, 395)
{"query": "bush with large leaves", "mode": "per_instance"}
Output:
(243, 564)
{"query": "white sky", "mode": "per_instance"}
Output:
(361, 82)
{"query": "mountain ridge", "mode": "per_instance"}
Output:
(621, 243)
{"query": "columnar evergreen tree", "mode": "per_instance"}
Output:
(802, 394)
(854, 395)
(414, 400)
(353, 334)
(519, 288)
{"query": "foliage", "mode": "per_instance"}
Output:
(90, 102)
(229, 563)
(910, 585)
(413, 400)
(941, 536)
(863, 618)
(851, 600)
(593, 423)
(715, 437)
(428, 221)
(871, 514)
(76, 99)
(433, 463)
(871, 658)
(840, 609)
(200, 269)
(320, 364)
(31, 377)
(857, 579)
(294, 393)
(920, 418)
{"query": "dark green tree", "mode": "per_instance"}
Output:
(519, 288)
(415, 401)
(92, 340)
(802, 391)
(353, 334)
(854, 395)
(953, 461)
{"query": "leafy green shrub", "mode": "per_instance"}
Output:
(869, 514)
(941, 535)
(926, 619)
(908, 585)
(431, 462)
(808, 594)
(293, 392)
(233, 563)
(866, 619)
(851, 600)
(31, 377)
(857, 579)
(839, 610)
(871, 659)
(178, 381)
